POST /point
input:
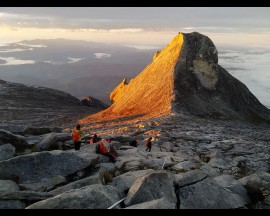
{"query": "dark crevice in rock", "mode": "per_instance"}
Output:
(255, 196)
(85, 173)
(177, 191)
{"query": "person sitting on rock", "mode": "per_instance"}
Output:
(134, 142)
(104, 150)
(148, 144)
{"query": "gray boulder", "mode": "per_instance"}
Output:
(95, 196)
(47, 142)
(162, 203)
(51, 140)
(36, 166)
(17, 141)
(125, 181)
(190, 177)
(233, 185)
(107, 171)
(6, 151)
(129, 164)
(184, 166)
(258, 182)
(208, 194)
(12, 204)
(7, 186)
(152, 186)
(93, 179)
(45, 184)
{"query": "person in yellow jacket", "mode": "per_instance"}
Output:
(77, 135)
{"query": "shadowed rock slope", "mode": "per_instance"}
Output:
(184, 78)
(38, 106)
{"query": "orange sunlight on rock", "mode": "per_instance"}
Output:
(146, 96)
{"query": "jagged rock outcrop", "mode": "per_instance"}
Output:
(156, 55)
(93, 102)
(184, 78)
(118, 91)
(39, 106)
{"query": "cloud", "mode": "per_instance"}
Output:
(13, 50)
(31, 45)
(102, 55)
(211, 19)
(74, 60)
(251, 67)
(124, 30)
(14, 61)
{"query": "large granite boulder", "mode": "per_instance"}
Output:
(95, 196)
(36, 166)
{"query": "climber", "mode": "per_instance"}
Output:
(148, 144)
(77, 135)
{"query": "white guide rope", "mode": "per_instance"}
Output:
(117, 203)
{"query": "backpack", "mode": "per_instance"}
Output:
(97, 148)
(75, 136)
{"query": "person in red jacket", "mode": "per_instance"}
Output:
(103, 150)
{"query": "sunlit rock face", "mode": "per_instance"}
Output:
(184, 78)
(118, 91)
(150, 93)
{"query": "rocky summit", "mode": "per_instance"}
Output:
(210, 143)
(184, 78)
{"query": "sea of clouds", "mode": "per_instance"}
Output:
(251, 66)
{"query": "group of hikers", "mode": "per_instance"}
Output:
(104, 146)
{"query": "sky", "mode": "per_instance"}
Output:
(154, 26)
(242, 32)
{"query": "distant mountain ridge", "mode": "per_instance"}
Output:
(53, 66)
(39, 106)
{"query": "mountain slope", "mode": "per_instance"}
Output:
(38, 106)
(185, 78)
